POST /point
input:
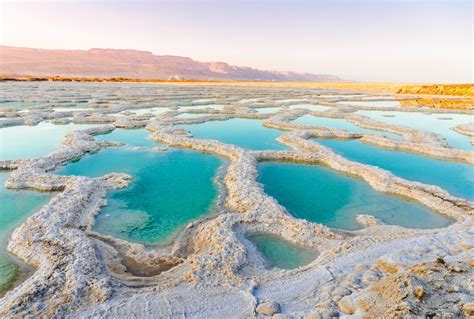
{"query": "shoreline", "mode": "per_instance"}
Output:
(402, 89)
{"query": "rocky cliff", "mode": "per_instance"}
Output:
(132, 64)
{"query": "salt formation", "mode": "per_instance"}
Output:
(209, 271)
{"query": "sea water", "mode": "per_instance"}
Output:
(441, 124)
(318, 194)
(22, 142)
(280, 253)
(15, 206)
(168, 190)
(241, 132)
(456, 178)
(340, 124)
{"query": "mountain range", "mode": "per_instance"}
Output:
(133, 64)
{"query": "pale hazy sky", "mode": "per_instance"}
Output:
(418, 41)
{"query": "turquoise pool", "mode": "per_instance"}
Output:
(321, 195)
(279, 253)
(241, 132)
(340, 124)
(169, 189)
(15, 206)
(441, 124)
(456, 178)
(135, 137)
(22, 142)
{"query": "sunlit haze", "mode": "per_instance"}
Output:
(410, 41)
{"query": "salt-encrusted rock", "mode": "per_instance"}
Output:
(346, 305)
(419, 292)
(125, 122)
(387, 266)
(468, 309)
(160, 148)
(61, 121)
(116, 180)
(10, 122)
(466, 129)
(367, 220)
(32, 119)
(268, 308)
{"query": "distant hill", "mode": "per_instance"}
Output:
(133, 64)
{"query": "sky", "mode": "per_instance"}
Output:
(360, 40)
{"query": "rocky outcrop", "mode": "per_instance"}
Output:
(123, 64)
(268, 308)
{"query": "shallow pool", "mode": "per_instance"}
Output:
(340, 124)
(280, 253)
(319, 194)
(437, 123)
(241, 132)
(169, 189)
(15, 206)
(456, 178)
(21, 142)
(132, 137)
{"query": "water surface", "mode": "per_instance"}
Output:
(22, 142)
(132, 137)
(15, 206)
(321, 195)
(168, 190)
(280, 253)
(340, 124)
(241, 132)
(456, 178)
(438, 123)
